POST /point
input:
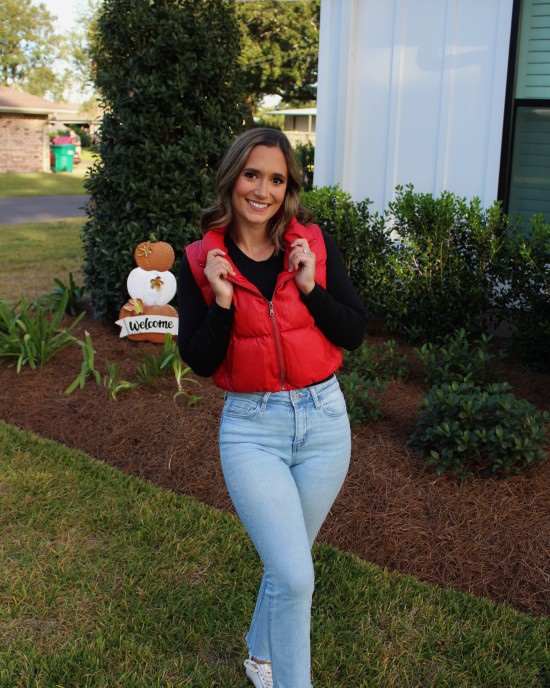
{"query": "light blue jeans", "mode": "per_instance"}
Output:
(284, 456)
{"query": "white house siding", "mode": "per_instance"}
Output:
(412, 91)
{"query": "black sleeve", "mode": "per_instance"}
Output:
(204, 330)
(337, 310)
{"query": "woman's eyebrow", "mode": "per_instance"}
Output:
(255, 171)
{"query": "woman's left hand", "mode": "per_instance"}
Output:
(302, 258)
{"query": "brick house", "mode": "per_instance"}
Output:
(24, 127)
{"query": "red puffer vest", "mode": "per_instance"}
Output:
(274, 345)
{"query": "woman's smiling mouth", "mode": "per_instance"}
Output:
(258, 206)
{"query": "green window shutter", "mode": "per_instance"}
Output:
(533, 76)
(530, 182)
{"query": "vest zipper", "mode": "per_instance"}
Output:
(277, 345)
(273, 320)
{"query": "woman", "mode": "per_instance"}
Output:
(265, 307)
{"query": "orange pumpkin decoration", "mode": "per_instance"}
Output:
(137, 307)
(154, 255)
(151, 285)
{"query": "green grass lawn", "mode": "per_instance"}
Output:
(33, 254)
(106, 580)
(48, 184)
(88, 156)
(43, 184)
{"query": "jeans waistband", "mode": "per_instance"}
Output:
(326, 379)
(291, 396)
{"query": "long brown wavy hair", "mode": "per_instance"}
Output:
(220, 213)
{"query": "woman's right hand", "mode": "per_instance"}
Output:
(217, 269)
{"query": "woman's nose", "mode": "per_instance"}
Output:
(261, 188)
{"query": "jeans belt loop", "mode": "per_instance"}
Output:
(314, 396)
(265, 398)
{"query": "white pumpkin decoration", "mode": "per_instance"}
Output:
(154, 288)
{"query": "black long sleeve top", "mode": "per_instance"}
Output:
(204, 330)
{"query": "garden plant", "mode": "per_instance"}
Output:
(429, 266)
(470, 429)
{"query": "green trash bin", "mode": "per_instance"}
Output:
(63, 157)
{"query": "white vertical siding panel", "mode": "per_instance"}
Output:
(372, 119)
(498, 96)
(420, 42)
(420, 99)
(475, 76)
(335, 97)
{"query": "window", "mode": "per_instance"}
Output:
(525, 170)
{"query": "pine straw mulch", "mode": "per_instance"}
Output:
(488, 537)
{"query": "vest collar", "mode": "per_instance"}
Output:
(214, 238)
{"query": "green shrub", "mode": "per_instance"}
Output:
(470, 430)
(525, 293)
(169, 80)
(362, 397)
(427, 266)
(85, 138)
(430, 267)
(362, 238)
(444, 269)
(365, 376)
(454, 358)
(305, 153)
(381, 361)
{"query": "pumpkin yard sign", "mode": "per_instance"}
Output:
(148, 315)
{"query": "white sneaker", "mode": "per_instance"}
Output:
(259, 674)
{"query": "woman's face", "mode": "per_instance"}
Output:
(260, 188)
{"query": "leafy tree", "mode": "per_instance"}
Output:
(168, 76)
(79, 73)
(280, 50)
(29, 47)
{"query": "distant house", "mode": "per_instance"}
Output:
(444, 94)
(24, 130)
(299, 124)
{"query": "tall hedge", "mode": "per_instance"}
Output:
(167, 72)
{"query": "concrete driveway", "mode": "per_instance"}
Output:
(41, 208)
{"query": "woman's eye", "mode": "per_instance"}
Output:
(278, 180)
(249, 175)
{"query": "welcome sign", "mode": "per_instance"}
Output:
(148, 324)
(147, 316)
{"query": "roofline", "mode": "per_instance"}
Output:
(35, 111)
(73, 119)
(307, 112)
